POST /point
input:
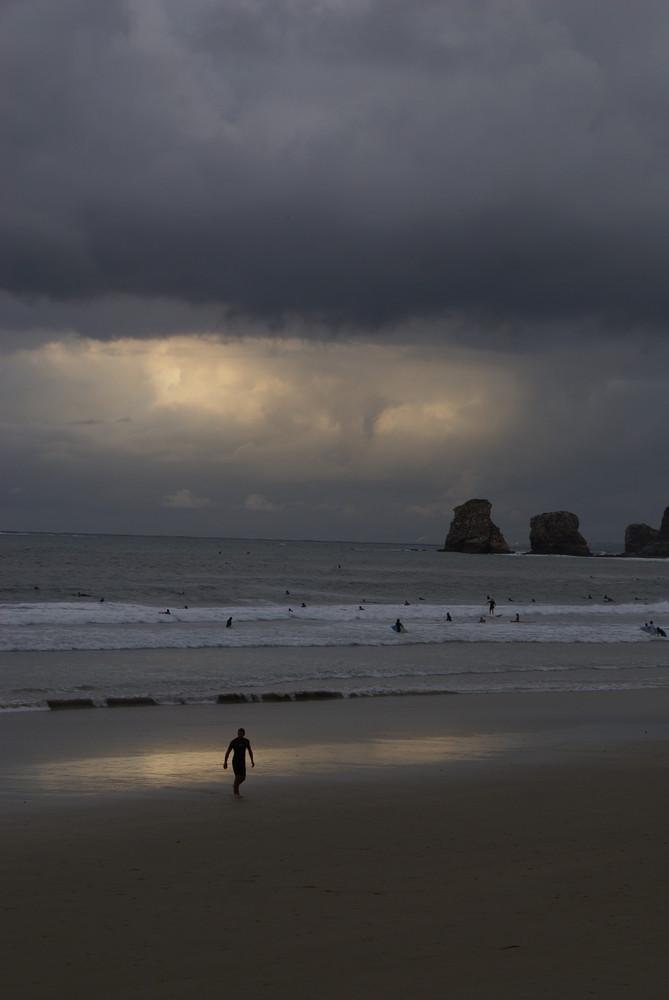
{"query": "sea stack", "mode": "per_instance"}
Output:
(473, 531)
(639, 537)
(642, 540)
(556, 534)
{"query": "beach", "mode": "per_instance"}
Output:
(507, 846)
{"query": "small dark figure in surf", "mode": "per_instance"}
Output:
(491, 605)
(399, 627)
(239, 747)
(229, 622)
(448, 616)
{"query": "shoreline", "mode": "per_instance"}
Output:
(506, 846)
(141, 749)
(171, 677)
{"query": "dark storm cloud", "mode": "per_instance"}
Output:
(362, 162)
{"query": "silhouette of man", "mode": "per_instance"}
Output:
(239, 748)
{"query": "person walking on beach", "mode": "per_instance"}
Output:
(238, 748)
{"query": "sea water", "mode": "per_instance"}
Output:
(99, 619)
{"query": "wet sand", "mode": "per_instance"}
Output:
(474, 847)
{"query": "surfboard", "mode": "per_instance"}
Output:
(396, 629)
(655, 631)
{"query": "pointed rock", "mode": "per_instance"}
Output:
(472, 530)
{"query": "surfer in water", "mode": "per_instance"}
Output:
(399, 627)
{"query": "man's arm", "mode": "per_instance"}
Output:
(227, 754)
(253, 763)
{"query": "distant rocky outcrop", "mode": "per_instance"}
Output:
(642, 540)
(472, 530)
(557, 534)
(638, 537)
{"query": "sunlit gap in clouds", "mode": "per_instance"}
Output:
(338, 409)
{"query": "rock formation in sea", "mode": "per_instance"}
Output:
(642, 540)
(556, 534)
(472, 530)
(638, 537)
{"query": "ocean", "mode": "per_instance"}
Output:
(103, 620)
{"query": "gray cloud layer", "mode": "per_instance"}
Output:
(503, 162)
(329, 267)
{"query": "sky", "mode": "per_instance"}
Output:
(329, 268)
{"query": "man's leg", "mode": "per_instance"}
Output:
(239, 777)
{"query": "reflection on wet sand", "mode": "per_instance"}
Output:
(179, 768)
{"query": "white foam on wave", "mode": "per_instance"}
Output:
(59, 643)
(115, 625)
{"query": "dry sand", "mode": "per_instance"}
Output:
(531, 862)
